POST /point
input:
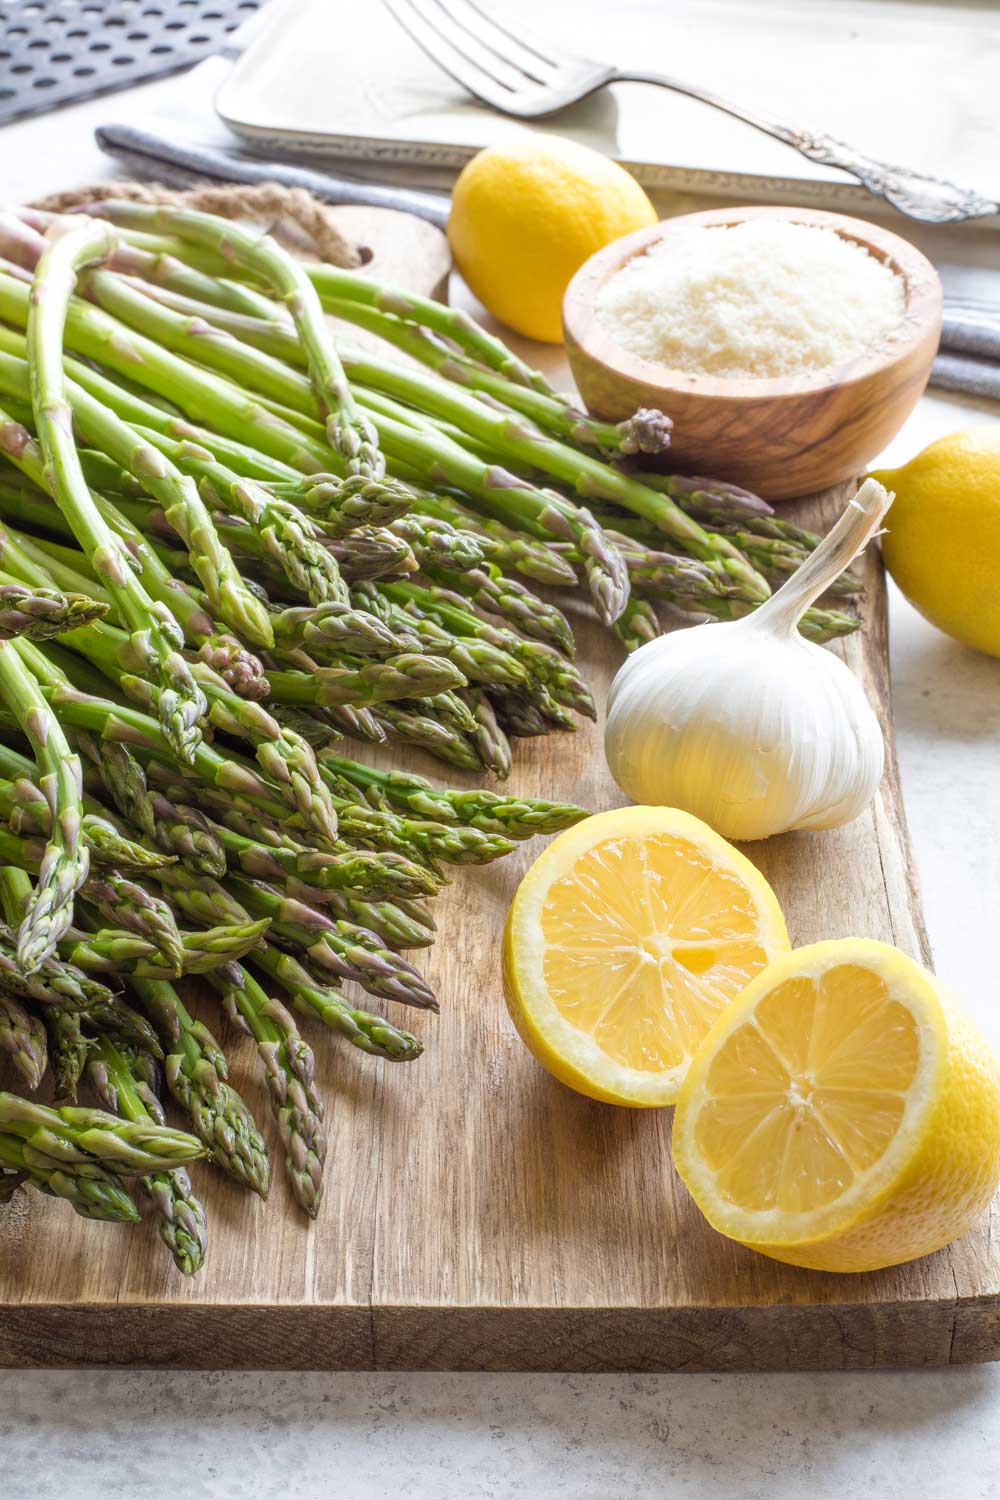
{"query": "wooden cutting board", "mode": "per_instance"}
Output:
(478, 1215)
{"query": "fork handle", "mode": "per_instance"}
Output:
(913, 193)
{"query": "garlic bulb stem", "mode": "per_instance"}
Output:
(747, 724)
(838, 549)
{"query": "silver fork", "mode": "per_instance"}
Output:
(528, 77)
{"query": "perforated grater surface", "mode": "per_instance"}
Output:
(57, 51)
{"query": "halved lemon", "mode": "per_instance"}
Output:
(626, 939)
(844, 1112)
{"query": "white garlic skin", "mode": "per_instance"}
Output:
(754, 731)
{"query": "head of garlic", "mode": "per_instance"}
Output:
(747, 724)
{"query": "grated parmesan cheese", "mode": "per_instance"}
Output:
(764, 298)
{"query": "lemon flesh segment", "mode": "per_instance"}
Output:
(843, 1114)
(626, 940)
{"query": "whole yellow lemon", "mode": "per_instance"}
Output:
(943, 534)
(526, 214)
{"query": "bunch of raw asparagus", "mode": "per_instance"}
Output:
(227, 542)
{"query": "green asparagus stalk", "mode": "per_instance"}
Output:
(375, 875)
(289, 1067)
(349, 432)
(337, 947)
(490, 592)
(403, 676)
(155, 639)
(216, 647)
(285, 532)
(331, 282)
(637, 624)
(54, 985)
(337, 627)
(198, 392)
(405, 722)
(73, 1137)
(511, 817)
(489, 740)
(344, 504)
(132, 907)
(65, 863)
(124, 1026)
(179, 1214)
(372, 1034)
(400, 924)
(93, 1193)
(549, 671)
(550, 513)
(501, 545)
(447, 842)
(438, 544)
(22, 1040)
(113, 950)
(197, 1076)
(40, 613)
(68, 1049)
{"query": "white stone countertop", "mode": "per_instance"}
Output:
(920, 1435)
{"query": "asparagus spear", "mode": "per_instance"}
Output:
(405, 722)
(488, 738)
(499, 544)
(181, 831)
(288, 1069)
(74, 1137)
(216, 646)
(349, 432)
(403, 676)
(43, 612)
(337, 947)
(400, 924)
(548, 670)
(374, 874)
(22, 1040)
(550, 513)
(58, 987)
(511, 817)
(286, 533)
(112, 950)
(490, 592)
(346, 503)
(196, 1073)
(179, 1214)
(331, 282)
(130, 906)
(125, 1026)
(438, 544)
(66, 860)
(92, 333)
(637, 624)
(155, 639)
(68, 1048)
(448, 842)
(335, 626)
(93, 1193)
(372, 1034)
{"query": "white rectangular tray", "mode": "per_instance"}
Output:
(908, 82)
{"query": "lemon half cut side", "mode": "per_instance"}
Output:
(843, 1113)
(626, 939)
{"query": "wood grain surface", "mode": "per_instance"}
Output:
(479, 1215)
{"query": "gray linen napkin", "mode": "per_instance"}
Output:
(969, 360)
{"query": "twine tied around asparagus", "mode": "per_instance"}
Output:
(288, 213)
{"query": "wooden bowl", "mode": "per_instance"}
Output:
(781, 437)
